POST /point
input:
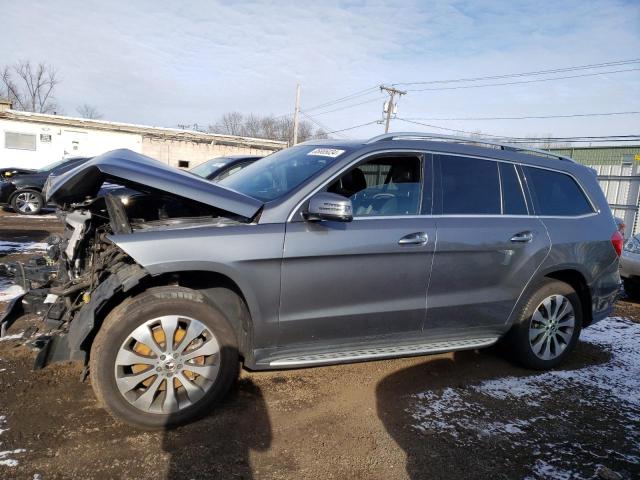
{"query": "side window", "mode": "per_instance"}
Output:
(556, 193)
(384, 186)
(469, 186)
(513, 202)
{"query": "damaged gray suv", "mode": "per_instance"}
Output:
(323, 253)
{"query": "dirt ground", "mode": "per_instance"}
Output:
(434, 417)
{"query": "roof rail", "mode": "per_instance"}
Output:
(457, 138)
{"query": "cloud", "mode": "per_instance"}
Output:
(164, 63)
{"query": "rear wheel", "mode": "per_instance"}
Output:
(27, 202)
(163, 358)
(548, 326)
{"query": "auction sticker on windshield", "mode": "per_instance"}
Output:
(326, 152)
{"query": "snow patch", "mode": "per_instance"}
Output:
(5, 456)
(526, 412)
(9, 291)
(47, 216)
(19, 247)
(15, 336)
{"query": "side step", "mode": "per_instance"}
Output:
(384, 352)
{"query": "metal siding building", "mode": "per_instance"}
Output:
(33, 140)
(618, 170)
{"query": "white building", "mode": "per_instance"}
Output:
(32, 140)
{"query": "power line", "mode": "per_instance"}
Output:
(359, 93)
(317, 122)
(526, 74)
(529, 116)
(597, 138)
(349, 106)
(459, 87)
(370, 90)
(447, 129)
(352, 128)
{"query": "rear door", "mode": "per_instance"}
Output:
(489, 246)
(345, 281)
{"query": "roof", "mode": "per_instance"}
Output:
(145, 130)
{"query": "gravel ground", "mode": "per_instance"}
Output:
(464, 415)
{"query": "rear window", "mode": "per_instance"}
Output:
(469, 186)
(556, 194)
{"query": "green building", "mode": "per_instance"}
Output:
(618, 170)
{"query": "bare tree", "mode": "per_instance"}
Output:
(89, 111)
(275, 128)
(30, 88)
(230, 123)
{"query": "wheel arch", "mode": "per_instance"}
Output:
(20, 190)
(218, 289)
(578, 282)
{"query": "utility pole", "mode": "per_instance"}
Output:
(295, 115)
(391, 106)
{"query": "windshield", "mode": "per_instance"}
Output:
(53, 165)
(207, 168)
(281, 172)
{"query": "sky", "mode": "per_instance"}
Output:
(166, 63)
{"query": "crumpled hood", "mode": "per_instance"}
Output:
(132, 169)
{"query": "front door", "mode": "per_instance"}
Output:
(345, 281)
(489, 247)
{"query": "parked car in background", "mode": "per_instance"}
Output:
(6, 173)
(220, 168)
(630, 267)
(318, 254)
(23, 191)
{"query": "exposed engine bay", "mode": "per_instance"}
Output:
(82, 268)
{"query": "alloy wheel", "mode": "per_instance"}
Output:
(552, 327)
(167, 364)
(27, 202)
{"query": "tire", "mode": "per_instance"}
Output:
(529, 337)
(632, 288)
(208, 377)
(27, 202)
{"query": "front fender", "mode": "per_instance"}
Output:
(84, 322)
(250, 255)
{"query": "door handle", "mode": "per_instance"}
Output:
(522, 237)
(418, 238)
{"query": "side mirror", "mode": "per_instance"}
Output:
(329, 206)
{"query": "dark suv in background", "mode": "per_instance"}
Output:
(323, 253)
(22, 189)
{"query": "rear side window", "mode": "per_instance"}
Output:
(469, 186)
(513, 202)
(556, 193)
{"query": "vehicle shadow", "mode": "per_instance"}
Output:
(20, 236)
(450, 452)
(219, 445)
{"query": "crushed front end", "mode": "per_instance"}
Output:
(59, 284)
(83, 273)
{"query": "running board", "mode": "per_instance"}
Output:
(384, 352)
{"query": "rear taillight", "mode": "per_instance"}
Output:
(617, 241)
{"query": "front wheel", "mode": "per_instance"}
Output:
(27, 202)
(548, 326)
(163, 358)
